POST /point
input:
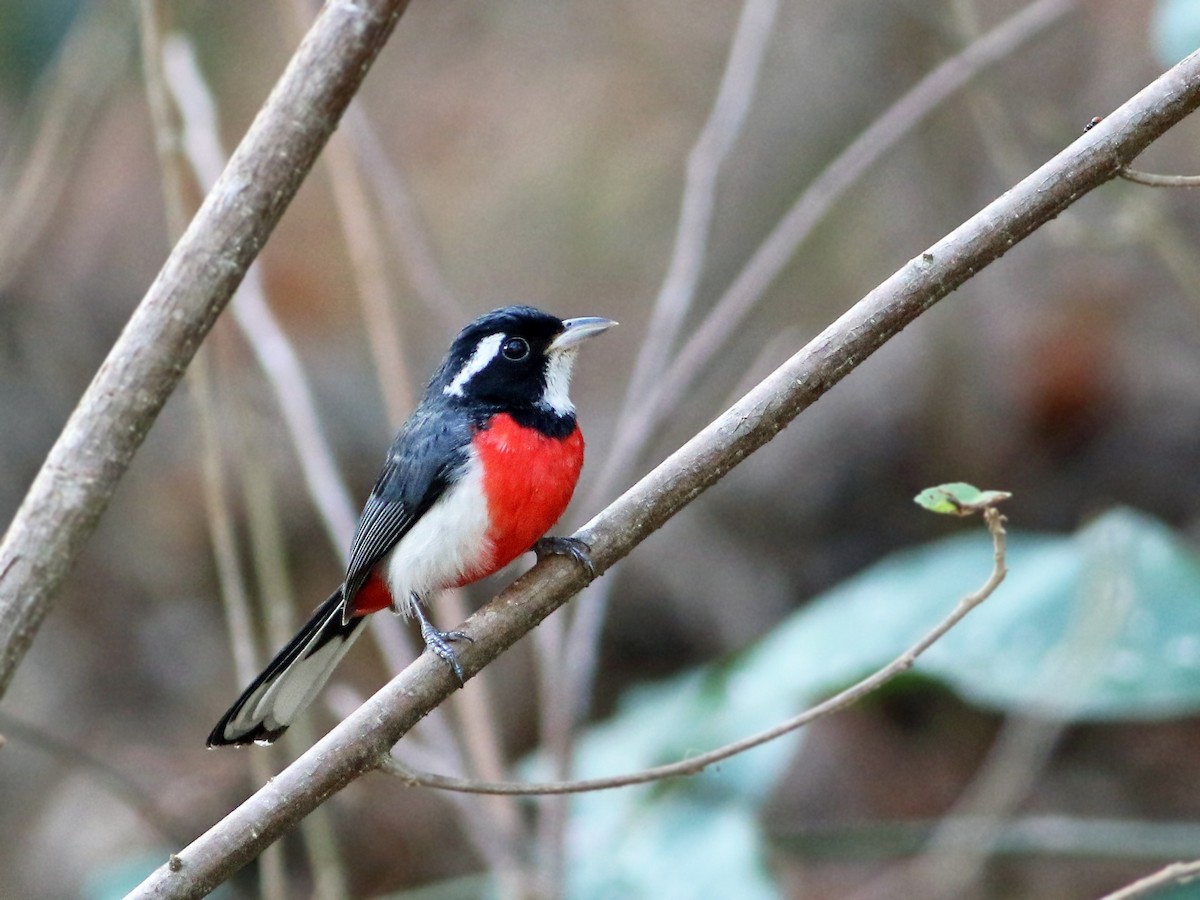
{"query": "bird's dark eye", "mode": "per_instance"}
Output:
(515, 349)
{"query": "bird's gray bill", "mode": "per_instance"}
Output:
(578, 330)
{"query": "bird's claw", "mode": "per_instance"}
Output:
(439, 643)
(578, 550)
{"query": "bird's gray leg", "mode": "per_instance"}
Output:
(439, 641)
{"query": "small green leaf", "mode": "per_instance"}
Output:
(958, 499)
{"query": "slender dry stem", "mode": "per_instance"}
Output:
(954, 856)
(402, 216)
(735, 96)
(1174, 874)
(96, 446)
(696, 764)
(1154, 180)
(201, 146)
(722, 322)
(107, 777)
(366, 254)
(764, 266)
(276, 599)
(564, 682)
(36, 170)
(180, 199)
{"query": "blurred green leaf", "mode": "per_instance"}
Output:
(1179, 892)
(30, 35)
(463, 887)
(117, 879)
(686, 837)
(1175, 29)
(1102, 624)
(1046, 835)
(675, 848)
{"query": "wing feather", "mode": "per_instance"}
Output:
(423, 460)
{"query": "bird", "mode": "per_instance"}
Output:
(484, 466)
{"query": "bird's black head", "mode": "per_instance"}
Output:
(515, 358)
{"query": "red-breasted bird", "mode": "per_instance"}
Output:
(482, 469)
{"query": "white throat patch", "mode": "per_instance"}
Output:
(558, 380)
(484, 353)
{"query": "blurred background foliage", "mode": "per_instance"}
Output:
(545, 146)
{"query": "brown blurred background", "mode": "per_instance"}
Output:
(545, 144)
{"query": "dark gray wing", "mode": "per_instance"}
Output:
(428, 452)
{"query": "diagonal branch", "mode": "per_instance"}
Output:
(95, 448)
(810, 208)
(637, 424)
(361, 743)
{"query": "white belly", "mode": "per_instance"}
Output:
(446, 543)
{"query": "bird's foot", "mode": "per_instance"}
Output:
(439, 642)
(567, 546)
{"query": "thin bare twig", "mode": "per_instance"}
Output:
(232, 582)
(810, 208)
(1154, 180)
(767, 262)
(107, 777)
(1176, 873)
(80, 473)
(36, 170)
(1173, 874)
(251, 311)
(985, 104)
(361, 743)
(1045, 836)
(234, 598)
(735, 96)
(402, 216)
(565, 674)
(697, 764)
(956, 853)
(366, 254)
(180, 198)
(276, 598)
(476, 714)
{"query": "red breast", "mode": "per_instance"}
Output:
(528, 478)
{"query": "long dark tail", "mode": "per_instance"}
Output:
(291, 680)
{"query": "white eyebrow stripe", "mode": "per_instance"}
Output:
(484, 353)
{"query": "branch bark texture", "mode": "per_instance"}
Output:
(144, 366)
(360, 743)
